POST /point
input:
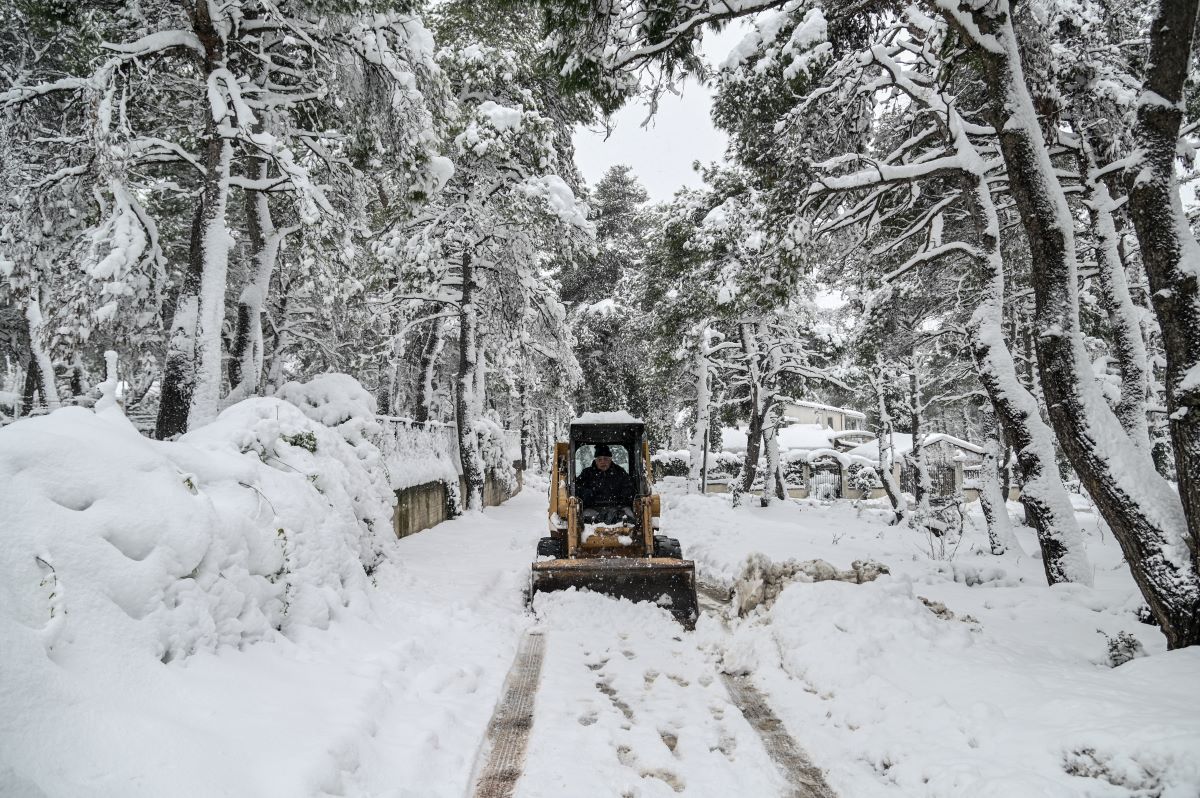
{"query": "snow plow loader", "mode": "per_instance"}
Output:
(603, 519)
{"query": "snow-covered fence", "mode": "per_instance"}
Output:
(417, 452)
(423, 466)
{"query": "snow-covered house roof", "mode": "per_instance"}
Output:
(902, 443)
(829, 409)
(797, 437)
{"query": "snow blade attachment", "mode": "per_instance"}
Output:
(667, 582)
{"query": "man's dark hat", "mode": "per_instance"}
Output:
(603, 451)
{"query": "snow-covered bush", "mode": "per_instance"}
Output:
(262, 521)
(863, 478)
(495, 452)
(672, 464)
(724, 465)
(1123, 648)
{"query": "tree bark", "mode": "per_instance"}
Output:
(1047, 505)
(246, 363)
(1144, 513)
(887, 457)
(1001, 537)
(192, 370)
(464, 401)
(1128, 345)
(757, 409)
(431, 353)
(1169, 250)
(700, 371)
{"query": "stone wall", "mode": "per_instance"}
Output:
(422, 507)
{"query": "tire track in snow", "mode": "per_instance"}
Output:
(508, 731)
(806, 779)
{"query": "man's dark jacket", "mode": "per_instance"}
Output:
(610, 488)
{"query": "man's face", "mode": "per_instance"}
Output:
(603, 461)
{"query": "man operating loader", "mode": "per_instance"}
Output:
(605, 490)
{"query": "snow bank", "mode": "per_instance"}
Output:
(262, 521)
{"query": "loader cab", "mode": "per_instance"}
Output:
(630, 533)
(626, 442)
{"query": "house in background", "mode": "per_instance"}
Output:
(838, 419)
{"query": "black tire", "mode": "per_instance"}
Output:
(549, 547)
(667, 547)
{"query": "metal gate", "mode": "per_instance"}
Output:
(825, 479)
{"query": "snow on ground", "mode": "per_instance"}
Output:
(155, 657)
(629, 705)
(1008, 699)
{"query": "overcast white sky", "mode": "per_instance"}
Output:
(662, 153)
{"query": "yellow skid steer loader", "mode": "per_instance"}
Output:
(607, 544)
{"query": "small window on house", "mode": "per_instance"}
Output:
(831, 422)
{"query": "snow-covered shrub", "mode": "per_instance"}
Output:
(494, 449)
(340, 403)
(724, 465)
(417, 453)
(671, 464)
(1122, 648)
(762, 580)
(793, 468)
(166, 548)
(863, 478)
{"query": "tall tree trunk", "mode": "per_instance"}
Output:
(1047, 505)
(180, 359)
(465, 402)
(1128, 344)
(991, 498)
(887, 449)
(431, 354)
(192, 371)
(1169, 250)
(750, 351)
(1144, 513)
(246, 363)
(770, 433)
(916, 456)
(700, 373)
(30, 390)
(41, 367)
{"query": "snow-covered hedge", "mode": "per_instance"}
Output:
(671, 464)
(265, 520)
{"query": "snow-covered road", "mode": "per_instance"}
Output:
(1008, 697)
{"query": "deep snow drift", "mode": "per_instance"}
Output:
(159, 635)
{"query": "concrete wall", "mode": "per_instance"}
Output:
(425, 506)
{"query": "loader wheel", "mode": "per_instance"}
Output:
(549, 547)
(667, 547)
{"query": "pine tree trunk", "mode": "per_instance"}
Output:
(41, 367)
(179, 360)
(991, 499)
(1144, 513)
(464, 401)
(887, 456)
(431, 353)
(192, 371)
(770, 435)
(1170, 252)
(1128, 344)
(757, 410)
(246, 363)
(916, 456)
(700, 371)
(1047, 505)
